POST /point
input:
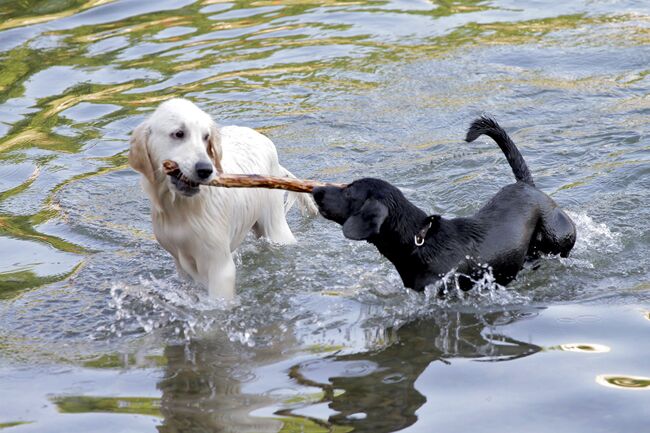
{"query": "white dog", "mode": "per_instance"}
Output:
(200, 225)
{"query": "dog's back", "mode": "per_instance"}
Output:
(246, 151)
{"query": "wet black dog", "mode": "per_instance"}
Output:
(519, 223)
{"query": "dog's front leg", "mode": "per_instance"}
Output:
(221, 273)
(182, 272)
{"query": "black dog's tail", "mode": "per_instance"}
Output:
(488, 126)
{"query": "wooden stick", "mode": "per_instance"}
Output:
(254, 180)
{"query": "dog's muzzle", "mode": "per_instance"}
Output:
(184, 185)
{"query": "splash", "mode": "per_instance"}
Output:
(177, 309)
(593, 236)
(390, 313)
(485, 291)
(154, 304)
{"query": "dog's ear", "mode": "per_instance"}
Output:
(214, 148)
(366, 222)
(139, 157)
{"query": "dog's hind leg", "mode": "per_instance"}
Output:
(556, 233)
(276, 229)
(273, 224)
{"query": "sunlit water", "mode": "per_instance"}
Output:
(97, 333)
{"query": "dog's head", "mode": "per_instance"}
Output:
(360, 207)
(178, 131)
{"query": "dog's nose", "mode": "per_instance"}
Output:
(318, 193)
(203, 169)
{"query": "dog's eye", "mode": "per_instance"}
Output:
(206, 137)
(179, 134)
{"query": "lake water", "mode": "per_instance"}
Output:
(97, 333)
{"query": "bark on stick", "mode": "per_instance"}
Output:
(254, 180)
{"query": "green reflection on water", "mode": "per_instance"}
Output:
(85, 404)
(114, 361)
(14, 283)
(13, 424)
(324, 348)
(23, 13)
(22, 227)
(307, 425)
(581, 348)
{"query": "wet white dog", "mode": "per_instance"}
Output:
(199, 225)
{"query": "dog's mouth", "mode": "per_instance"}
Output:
(183, 184)
(332, 216)
(324, 211)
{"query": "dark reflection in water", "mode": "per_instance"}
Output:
(376, 391)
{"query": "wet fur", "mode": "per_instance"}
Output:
(518, 224)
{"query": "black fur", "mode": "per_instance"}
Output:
(519, 223)
(489, 127)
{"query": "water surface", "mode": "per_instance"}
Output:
(99, 334)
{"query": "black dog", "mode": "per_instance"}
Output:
(519, 223)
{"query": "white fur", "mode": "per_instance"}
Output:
(203, 230)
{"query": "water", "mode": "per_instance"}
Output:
(98, 333)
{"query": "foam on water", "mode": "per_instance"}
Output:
(182, 310)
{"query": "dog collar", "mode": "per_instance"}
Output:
(422, 234)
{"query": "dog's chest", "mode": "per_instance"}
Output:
(172, 237)
(194, 232)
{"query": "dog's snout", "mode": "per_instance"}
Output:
(203, 169)
(318, 193)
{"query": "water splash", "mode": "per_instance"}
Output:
(388, 313)
(155, 304)
(593, 235)
(485, 291)
(178, 309)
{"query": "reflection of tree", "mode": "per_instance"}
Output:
(384, 390)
